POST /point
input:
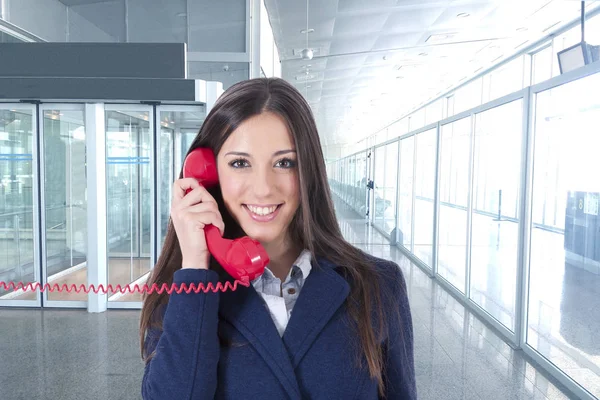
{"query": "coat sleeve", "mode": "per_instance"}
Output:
(187, 348)
(398, 351)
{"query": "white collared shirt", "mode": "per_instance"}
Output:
(280, 298)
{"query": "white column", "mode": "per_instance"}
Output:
(255, 6)
(214, 90)
(96, 203)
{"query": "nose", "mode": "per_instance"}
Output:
(262, 183)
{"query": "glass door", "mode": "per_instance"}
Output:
(370, 183)
(129, 196)
(179, 126)
(19, 216)
(64, 199)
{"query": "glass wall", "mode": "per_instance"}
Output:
(17, 254)
(481, 216)
(380, 204)
(454, 190)
(564, 282)
(386, 179)
(348, 180)
(360, 184)
(166, 166)
(406, 192)
(390, 187)
(495, 220)
(129, 180)
(424, 184)
(177, 124)
(133, 220)
(65, 199)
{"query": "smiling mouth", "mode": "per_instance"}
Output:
(262, 211)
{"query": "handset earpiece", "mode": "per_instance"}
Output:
(242, 258)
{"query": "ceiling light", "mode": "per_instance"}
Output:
(306, 77)
(463, 15)
(422, 54)
(309, 30)
(440, 38)
(522, 29)
(307, 54)
(181, 14)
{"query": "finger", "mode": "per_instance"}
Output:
(205, 206)
(207, 218)
(180, 186)
(197, 195)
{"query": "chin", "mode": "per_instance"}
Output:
(262, 234)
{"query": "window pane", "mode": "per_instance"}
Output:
(16, 201)
(495, 226)
(405, 183)
(65, 200)
(454, 189)
(129, 198)
(466, 97)
(391, 180)
(361, 184)
(505, 80)
(564, 298)
(381, 205)
(424, 191)
(542, 65)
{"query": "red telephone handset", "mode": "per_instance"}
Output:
(242, 258)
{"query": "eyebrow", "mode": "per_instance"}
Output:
(242, 154)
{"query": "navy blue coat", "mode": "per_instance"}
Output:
(226, 346)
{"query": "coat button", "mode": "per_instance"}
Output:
(291, 291)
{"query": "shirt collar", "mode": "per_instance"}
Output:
(303, 263)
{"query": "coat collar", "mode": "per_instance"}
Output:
(323, 293)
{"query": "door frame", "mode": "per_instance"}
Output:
(35, 164)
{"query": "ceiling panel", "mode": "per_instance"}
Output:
(352, 45)
(412, 20)
(374, 61)
(396, 41)
(354, 5)
(81, 2)
(352, 25)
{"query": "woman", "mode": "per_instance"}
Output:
(324, 321)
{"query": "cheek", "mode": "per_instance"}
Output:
(231, 188)
(292, 188)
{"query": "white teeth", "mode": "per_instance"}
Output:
(262, 210)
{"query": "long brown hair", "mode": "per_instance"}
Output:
(314, 226)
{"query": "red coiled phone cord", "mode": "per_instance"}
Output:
(12, 286)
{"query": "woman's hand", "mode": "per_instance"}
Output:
(190, 214)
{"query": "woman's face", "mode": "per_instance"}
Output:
(258, 175)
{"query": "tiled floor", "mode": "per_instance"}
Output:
(70, 354)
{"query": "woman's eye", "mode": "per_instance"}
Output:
(239, 163)
(286, 163)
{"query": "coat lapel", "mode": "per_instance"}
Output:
(246, 311)
(323, 293)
